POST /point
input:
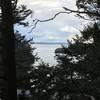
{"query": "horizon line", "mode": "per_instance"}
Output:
(52, 43)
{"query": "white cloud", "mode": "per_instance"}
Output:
(68, 3)
(41, 3)
(44, 3)
(37, 11)
(35, 3)
(70, 29)
(55, 9)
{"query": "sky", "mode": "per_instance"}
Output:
(63, 27)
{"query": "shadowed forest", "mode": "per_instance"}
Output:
(76, 76)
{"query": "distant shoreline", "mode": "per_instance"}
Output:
(50, 43)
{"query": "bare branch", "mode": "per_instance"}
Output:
(36, 21)
(68, 11)
(83, 17)
(82, 12)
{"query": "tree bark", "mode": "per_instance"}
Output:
(8, 49)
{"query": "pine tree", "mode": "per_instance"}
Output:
(8, 49)
(25, 58)
(9, 16)
(81, 59)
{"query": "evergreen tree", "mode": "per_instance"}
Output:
(8, 57)
(89, 7)
(9, 16)
(25, 58)
(42, 82)
(81, 59)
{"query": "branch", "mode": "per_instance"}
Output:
(83, 17)
(68, 11)
(82, 12)
(36, 21)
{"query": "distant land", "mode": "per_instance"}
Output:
(50, 43)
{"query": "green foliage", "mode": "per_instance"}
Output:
(81, 60)
(20, 14)
(41, 86)
(25, 59)
(89, 7)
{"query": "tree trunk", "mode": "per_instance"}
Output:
(8, 49)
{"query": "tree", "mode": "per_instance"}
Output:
(87, 9)
(20, 14)
(42, 82)
(81, 61)
(8, 46)
(82, 56)
(25, 58)
(8, 49)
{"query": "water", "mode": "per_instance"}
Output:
(47, 52)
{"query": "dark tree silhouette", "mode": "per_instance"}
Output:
(8, 49)
(82, 56)
(9, 15)
(81, 60)
(42, 82)
(25, 58)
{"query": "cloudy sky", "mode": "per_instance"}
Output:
(60, 29)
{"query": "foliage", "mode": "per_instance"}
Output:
(20, 14)
(25, 59)
(90, 8)
(41, 81)
(7, 45)
(81, 59)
